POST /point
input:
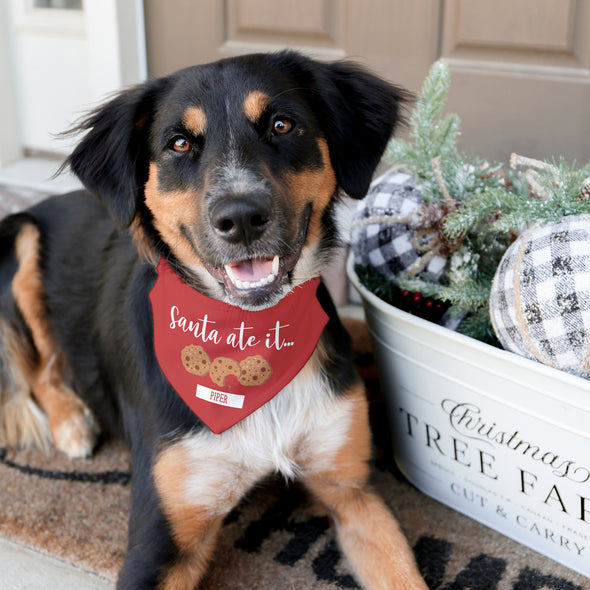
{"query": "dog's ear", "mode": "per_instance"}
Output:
(112, 159)
(360, 114)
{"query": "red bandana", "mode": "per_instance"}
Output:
(226, 362)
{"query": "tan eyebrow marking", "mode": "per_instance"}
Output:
(195, 120)
(255, 104)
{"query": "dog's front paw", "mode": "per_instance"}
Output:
(77, 431)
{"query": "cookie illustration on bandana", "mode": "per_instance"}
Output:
(195, 360)
(221, 368)
(254, 370)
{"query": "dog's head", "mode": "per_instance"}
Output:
(231, 170)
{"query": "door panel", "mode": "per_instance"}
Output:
(10, 145)
(530, 24)
(520, 68)
(314, 23)
(257, 25)
(521, 79)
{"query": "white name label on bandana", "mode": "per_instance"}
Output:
(220, 397)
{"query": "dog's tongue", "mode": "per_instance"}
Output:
(250, 271)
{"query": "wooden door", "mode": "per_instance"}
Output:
(521, 68)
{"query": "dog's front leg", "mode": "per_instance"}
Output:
(173, 526)
(149, 547)
(367, 532)
(197, 488)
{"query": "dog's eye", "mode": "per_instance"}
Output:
(180, 144)
(281, 126)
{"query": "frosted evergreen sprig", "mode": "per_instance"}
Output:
(432, 135)
(479, 212)
(557, 189)
(553, 190)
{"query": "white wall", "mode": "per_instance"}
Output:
(66, 62)
(10, 146)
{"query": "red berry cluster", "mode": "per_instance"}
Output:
(415, 303)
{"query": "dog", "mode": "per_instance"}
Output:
(217, 182)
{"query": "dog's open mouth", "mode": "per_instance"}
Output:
(255, 273)
(256, 280)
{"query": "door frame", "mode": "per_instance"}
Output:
(115, 39)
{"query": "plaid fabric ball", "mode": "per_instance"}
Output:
(540, 297)
(379, 242)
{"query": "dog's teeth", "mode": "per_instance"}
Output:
(245, 285)
(231, 275)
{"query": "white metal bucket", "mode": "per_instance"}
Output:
(498, 437)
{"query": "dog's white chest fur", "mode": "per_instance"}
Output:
(298, 431)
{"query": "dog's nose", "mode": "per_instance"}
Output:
(241, 219)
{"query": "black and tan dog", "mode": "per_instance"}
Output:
(229, 172)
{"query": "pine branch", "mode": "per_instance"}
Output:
(480, 209)
(430, 135)
(564, 184)
(477, 325)
(556, 191)
(467, 297)
(427, 288)
(429, 104)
